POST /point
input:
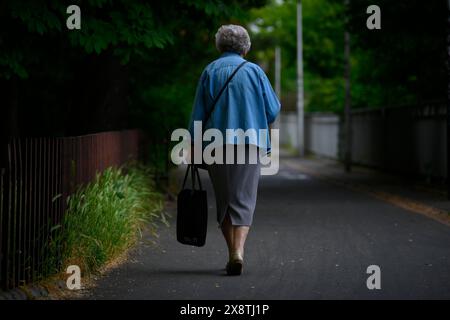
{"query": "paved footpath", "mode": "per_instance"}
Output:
(310, 240)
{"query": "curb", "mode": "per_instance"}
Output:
(31, 291)
(25, 293)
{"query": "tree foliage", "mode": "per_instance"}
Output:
(401, 64)
(133, 63)
(404, 63)
(322, 49)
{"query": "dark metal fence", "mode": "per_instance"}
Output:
(406, 140)
(38, 176)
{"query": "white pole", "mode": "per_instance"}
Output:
(348, 115)
(300, 98)
(278, 70)
(276, 124)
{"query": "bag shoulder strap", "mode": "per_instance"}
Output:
(194, 174)
(211, 109)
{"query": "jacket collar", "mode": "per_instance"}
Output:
(230, 53)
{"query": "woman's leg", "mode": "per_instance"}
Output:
(235, 265)
(239, 236)
(227, 230)
(235, 236)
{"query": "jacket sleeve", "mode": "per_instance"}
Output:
(199, 107)
(271, 103)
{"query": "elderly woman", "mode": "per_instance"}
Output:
(247, 101)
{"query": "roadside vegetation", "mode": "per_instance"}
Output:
(107, 217)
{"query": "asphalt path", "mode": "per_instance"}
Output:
(310, 240)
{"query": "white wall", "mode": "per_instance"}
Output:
(288, 129)
(322, 134)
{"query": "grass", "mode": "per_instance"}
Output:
(107, 217)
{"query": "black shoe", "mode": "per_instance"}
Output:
(235, 266)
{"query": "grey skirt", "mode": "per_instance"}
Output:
(236, 187)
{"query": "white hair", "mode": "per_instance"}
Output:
(233, 38)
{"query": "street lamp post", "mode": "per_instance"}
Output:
(348, 116)
(276, 125)
(300, 97)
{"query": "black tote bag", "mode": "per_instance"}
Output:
(192, 211)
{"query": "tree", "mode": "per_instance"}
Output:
(132, 63)
(322, 49)
(401, 64)
(404, 62)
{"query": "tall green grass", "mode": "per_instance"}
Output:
(107, 216)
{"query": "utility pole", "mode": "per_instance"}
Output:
(348, 116)
(278, 70)
(448, 99)
(300, 97)
(276, 124)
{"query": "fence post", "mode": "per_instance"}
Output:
(3, 209)
(2, 229)
(448, 99)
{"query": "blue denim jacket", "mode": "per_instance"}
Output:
(249, 101)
